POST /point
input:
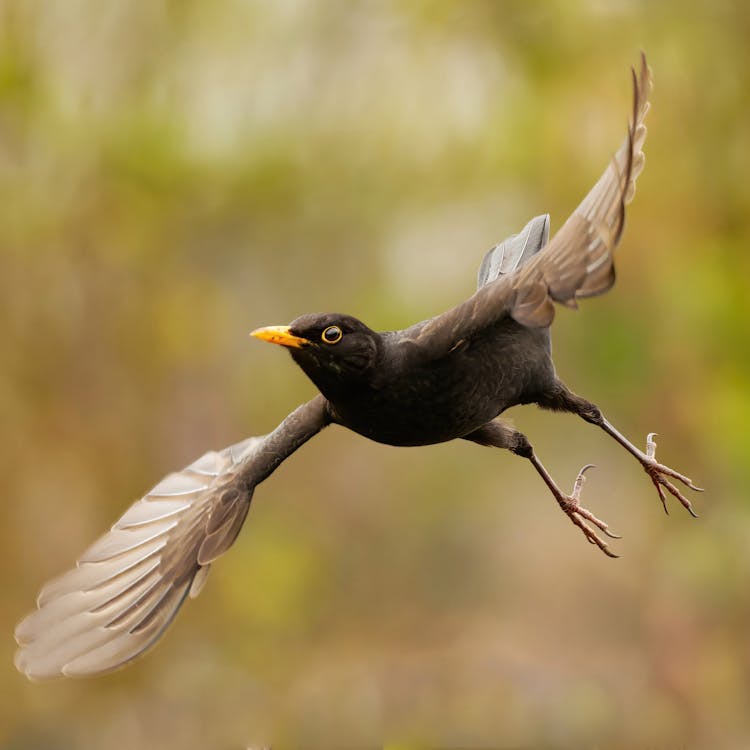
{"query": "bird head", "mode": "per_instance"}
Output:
(335, 351)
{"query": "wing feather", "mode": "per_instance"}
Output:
(579, 261)
(514, 251)
(127, 587)
(576, 263)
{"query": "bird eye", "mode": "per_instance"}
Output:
(332, 335)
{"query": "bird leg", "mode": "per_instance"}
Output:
(499, 435)
(659, 474)
(572, 508)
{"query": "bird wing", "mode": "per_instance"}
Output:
(127, 587)
(577, 262)
(514, 251)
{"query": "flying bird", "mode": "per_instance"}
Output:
(445, 378)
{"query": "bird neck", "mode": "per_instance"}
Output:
(346, 377)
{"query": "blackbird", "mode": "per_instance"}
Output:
(444, 378)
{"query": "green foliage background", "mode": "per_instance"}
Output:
(175, 174)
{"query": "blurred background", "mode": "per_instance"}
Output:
(175, 174)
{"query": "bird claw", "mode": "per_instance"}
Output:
(658, 472)
(585, 519)
(580, 479)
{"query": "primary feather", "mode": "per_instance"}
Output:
(127, 587)
(577, 262)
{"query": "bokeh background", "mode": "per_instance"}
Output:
(175, 174)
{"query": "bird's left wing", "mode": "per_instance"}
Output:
(128, 586)
(577, 262)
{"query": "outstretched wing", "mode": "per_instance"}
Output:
(577, 262)
(128, 586)
(510, 254)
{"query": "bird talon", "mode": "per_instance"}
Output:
(580, 479)
(591, 536)
(658, 472)
(662, 496)
(581, 517)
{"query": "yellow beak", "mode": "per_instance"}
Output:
(279, 335)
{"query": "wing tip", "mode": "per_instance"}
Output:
(98, 649)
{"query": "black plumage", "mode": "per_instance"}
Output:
(445, 378)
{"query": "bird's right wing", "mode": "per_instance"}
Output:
(128, 586)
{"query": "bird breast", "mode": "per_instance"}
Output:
(421, 400)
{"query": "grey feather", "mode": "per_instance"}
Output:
(579, 261)
(127, 587)
(514, 251)
(522, 280)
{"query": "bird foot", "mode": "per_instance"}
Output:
(583, 518)
(658, 474)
